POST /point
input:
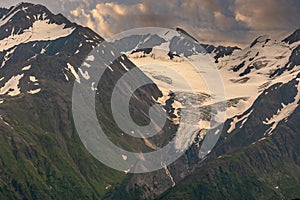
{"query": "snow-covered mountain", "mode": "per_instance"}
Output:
(42, 55)
(246, 73)
(257, 68)
(30, 33)
(261, 84)
(22, 24)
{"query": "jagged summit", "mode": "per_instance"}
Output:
(182, 31)
(28, 22)
(29, 36)
(261, 40)
(294, 37)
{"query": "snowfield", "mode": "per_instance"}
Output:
(41, 30)
(245, 74)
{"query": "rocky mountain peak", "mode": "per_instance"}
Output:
(294, 37)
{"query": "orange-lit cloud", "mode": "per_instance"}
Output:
(211, 21)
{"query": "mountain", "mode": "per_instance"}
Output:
(41, 154)
(42, 55)
(295, 37)
(257, 157)
(259, 137)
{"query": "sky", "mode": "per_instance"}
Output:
(230, 22)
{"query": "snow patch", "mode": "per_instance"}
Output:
(124, 157)
(26, 68)
(90, 58)
(66, 77)
(85, 74)
(236, 120)
(72, 70)
(34, 91)
(7, 56)
(11, 13)
(169, 174)
(93, 87)
(5, 122)
(124, 66)
(87, 65)
(33, 79)
(43, 51)
(232, 125)
(262, 139)
(11, 86)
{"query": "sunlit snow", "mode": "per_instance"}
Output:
(11, 86)
(41, 30)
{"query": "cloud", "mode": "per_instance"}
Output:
(85, 18)
(211, 21)
(268, 15)
(200, 16)
(110, 18)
